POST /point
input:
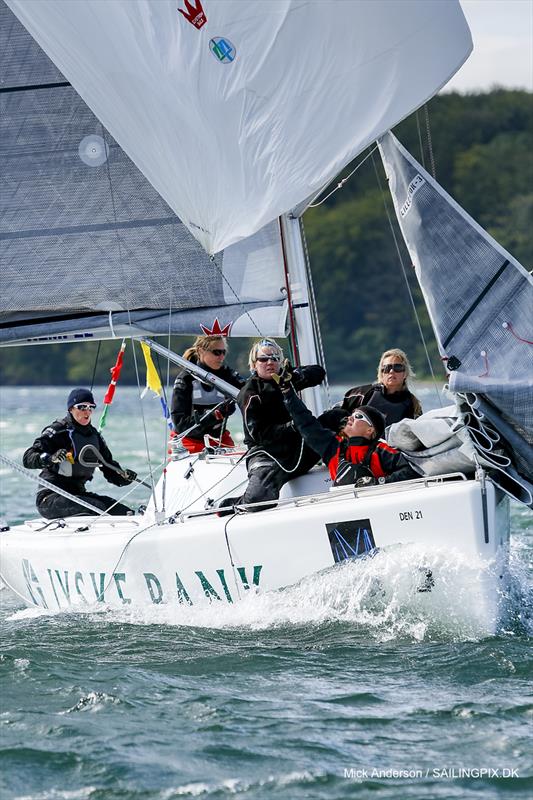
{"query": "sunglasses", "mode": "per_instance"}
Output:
(264, 359)
(393, 368)
(218, 351)
(85, 406)
(360, 415)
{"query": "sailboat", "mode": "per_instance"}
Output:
(203, 139)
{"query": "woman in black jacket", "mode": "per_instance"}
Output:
(56, 452)
(390, 394)
(349, 445)
(192, 399)
(276, 451)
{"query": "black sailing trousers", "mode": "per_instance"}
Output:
(265, 477)
(54, 506)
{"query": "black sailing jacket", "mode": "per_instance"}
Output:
(191, 399)
(395, 407)
(267, 423)
(67, 434)
(348, 459)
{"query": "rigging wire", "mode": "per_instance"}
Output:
(404, 271)
(166, 428)
(314, 310)
(230, 554)
(96, 363)
(165, 437)
(128, 310)
(113, 206)
(430, 142)
(293, 342)
(143, 418)
(344, 180)
(213, 260)
(420, 143)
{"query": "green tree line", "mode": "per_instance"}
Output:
(481, 147)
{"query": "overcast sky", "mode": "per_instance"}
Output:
(502, 31)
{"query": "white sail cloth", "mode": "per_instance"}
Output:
(436, 443)
(236, 112)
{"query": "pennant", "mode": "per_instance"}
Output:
(153, 381)
(115, 373)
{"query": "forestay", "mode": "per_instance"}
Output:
(238, 111)
(89, 248)
(479, 299)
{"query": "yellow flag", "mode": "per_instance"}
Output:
(153, 381)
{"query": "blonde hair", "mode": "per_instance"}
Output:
(202, 343)
(395, 352)
(257, 346)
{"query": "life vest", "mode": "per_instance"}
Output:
(204, 395)
(78, 439)
(393, 411)
(357, 454)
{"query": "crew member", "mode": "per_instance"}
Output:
(56, 453)
(276, 451)
(390, 394)
(349, 445)
(198, 408)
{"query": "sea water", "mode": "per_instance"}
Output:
(334, 688)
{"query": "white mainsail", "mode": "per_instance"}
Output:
(236, 112)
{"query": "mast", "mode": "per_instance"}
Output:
(299, 299)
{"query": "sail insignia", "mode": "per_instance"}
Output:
(194, 13)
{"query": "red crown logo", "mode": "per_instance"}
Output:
(194, 13)
(216, 330)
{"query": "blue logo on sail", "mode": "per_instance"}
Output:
(222, 49)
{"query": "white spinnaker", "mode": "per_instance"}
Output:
(231, 145)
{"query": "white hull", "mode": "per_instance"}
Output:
(135, 561)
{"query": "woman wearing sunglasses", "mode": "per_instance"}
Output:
(200, 408)
(276, 451)
(390, 394)
(350, 445)
(56, 452)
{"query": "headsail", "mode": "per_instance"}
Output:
(88, 246)
(479, 299)
(236, 112)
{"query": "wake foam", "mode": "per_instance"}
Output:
(401, 592)
(396, 593)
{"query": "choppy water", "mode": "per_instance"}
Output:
(330, 689)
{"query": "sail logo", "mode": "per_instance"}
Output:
(194, 13)
(222, 49)
(416, 184)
